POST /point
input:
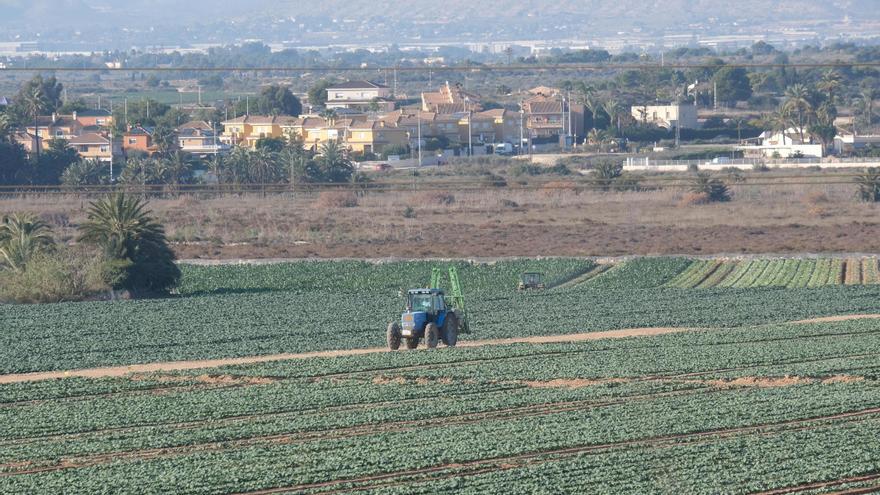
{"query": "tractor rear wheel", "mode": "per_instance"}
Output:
(393, 336)
(412, 342)
(450, 330)
(432, 335)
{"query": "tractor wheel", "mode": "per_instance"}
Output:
(450, 330)
(432, 335)
(412, 343)
(393, 336)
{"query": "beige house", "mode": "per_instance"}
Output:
(683, 116)
(247, 130)
(450, 99)
(549, 116)
(360, 95)
(92, 146)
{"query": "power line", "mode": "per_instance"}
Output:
(460, 68)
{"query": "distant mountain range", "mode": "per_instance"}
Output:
(651, 15)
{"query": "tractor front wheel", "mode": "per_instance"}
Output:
(432, 335)
(450, 330)
(393, 336)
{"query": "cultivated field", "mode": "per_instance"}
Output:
(664, 375)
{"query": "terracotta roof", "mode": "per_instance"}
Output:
(90, 138)
(260, 119)
(94, 113)
(537, 107)
(196, 124)
(46, 121)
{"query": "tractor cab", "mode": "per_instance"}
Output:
(531, 280)
(431, 315)
(423, 306)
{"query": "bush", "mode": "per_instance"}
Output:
(693, 199)
(337, 199)
(66, 274)
(409, 212)
(440, 198)
(714, 189)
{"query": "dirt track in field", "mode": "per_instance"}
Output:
(119, 371)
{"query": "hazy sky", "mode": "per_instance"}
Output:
(49, 14)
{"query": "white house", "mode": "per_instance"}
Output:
(848, 143)
(360, 95)
(683, 116)
(791, 143)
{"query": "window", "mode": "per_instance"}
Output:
(59, 133)
(104, 149)
(132, 140)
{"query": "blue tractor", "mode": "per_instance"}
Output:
(431, 315)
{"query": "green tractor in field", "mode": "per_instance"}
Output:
(431, 314)
(531, 281)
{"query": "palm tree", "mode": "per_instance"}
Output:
(124, 228)
(35, 103)
(868, 95)
(597, 138)
(85, 173)
(334, 164)
(612, 108)
(830, 81)
(797, 103)
(22, 237)
(869, 184)
(179, 166)
(165, 139)
(5, 126)
(329, 115)
(593, 105)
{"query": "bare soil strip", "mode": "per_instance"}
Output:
(833, 319)
(118, 371)
(502, 463)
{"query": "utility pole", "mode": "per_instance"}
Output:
(570, 130)
(247, 105)
(125, 111)
(467, 102)
(519, 150)
(420, 136)
(200, 95)
(715, 95)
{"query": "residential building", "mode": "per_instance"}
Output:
(360, 95)
(4, 101)
(375, 137)
(138, 140)
(93, 118)
(318, 131)
(92, 146)
(505, 124)
(28, 141)
(850, 143)
(683, 116)
(791, 143)
(450, 99)
(247, 130)
(547, 117)
(200, 138)
(55, 127)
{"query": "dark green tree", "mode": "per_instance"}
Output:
(733, 84)
(134, 241)
(318, 93)
(278, 100)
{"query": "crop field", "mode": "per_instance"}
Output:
(248, 310)
(708, 386)
(743, 410)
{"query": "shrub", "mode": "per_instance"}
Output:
(869, 184)
(66, 274)
(337, 199)
(714, 189)
(134, 243)
(440, 198)
(409, 212)
(693, 199)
